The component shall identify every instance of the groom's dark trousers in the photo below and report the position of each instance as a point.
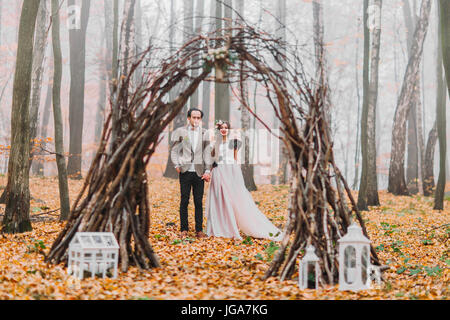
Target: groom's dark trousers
(190, 180)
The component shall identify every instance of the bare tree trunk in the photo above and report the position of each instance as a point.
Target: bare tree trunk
(57, 115)
(368, 192)
(444, 54)
(362, 192)
(247, 167)
(419, 137)
(115, 62)
(206, 99)
(2, 124)
(445, 38)
(111, 40)
(428, 177)
(194, 101)
(281, 175)
(358, 123)
(102, 84)
(188, 25)
(397, 184)
(40, 44)
(180, 119)
(17, 211)
(411, 149)
(415, 146)
(38, 166)
(222, 90)
(372, 184)
(77, 40)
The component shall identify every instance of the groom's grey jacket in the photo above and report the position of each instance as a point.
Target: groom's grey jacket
(183, 156)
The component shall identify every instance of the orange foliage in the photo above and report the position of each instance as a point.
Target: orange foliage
(410, 238)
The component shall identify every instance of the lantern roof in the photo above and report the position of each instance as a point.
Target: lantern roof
(95, 240)
(310, 254)
(354, 234)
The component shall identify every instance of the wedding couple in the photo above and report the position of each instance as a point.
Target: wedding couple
(229, 206)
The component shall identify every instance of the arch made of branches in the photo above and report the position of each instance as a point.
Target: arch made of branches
(114, 196)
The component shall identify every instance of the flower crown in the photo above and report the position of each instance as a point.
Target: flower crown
(218, 124)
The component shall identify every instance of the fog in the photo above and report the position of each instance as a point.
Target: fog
(343, 42)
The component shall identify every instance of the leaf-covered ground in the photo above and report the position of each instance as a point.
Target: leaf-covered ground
(409, 236)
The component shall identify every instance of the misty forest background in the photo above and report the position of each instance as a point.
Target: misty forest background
(167, 24)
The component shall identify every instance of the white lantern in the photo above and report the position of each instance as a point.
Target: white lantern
(354, 260)
(95, 252)
(309, 269)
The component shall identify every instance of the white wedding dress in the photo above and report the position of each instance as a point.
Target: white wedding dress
(230, 206)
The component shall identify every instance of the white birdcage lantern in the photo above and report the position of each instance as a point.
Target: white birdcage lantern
(95, 252)
(354, 260)
(309, 270)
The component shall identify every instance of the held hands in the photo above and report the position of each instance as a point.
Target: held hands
(206, 177)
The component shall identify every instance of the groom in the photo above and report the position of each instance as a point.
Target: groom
(191, 154)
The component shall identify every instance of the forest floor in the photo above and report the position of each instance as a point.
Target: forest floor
(410, 237)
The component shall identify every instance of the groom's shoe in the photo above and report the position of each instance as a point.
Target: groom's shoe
(184, 234)
(200, 234)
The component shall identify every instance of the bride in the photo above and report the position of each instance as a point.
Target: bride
(229, 205)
